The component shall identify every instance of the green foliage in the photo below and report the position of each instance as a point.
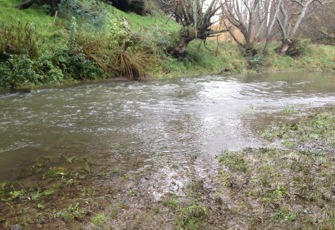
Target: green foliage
(318, 58)
(118, 31)
(16, 194)
(72, 212)
(2, 189)
(199, 59)
(73, 31)
(161, 39)
(283, 214)
(56, 172)
(171, 201)
(100, 219)
(256, 61)
(17, 37)
(79, 67)
(74, 64)
(17, 70)
(51, 67)
(233, 161)
(119, 52)
(20, 70)
(23, 65)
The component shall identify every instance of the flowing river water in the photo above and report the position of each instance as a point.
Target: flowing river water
(160, 133)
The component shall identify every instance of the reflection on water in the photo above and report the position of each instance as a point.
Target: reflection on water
(168, 121)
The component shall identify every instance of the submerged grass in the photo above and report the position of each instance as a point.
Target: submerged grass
(292, 189)
(267, 187)
(46, 191)
(253, 189)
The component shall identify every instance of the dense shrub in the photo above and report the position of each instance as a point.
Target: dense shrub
(77, 65)
(20, 70)
(51, 67)
(256, 61)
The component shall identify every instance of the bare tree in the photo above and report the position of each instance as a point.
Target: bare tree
(196, 18)
(292, 13)
(272, 8)
(249, 17)
(321, 26)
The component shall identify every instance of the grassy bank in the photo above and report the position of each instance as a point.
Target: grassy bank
(38, 50)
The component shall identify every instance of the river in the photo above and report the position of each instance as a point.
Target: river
(160, 132)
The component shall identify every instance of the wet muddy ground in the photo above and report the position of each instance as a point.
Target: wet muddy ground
(178, 154)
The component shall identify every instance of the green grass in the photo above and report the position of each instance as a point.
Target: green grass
(317, 128)
(200, 60)
(37, 16)
(317, 58)
(277, 187)
(156, 21)
(290, 188)
(100, 219)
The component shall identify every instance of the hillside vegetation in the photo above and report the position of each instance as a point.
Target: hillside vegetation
(102, 42)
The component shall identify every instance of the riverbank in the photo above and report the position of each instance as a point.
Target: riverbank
(59, 50)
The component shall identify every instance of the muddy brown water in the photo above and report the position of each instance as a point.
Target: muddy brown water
(161, 132)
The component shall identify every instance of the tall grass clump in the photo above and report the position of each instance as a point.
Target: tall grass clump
(119, 52)
(17, 37)
(133, 63)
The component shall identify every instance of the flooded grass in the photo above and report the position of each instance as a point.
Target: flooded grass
(48, 190)
(291, 188)
(288, 189)
(265, 188)
(315, 132)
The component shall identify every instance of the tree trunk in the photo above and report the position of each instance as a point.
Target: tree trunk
(186, 35)
(284, 47)
(292, 48)
(26, 4)
(179, 47)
